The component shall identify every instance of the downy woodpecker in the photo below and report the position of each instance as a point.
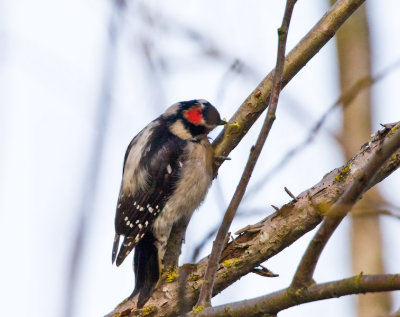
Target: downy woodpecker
(167, 172)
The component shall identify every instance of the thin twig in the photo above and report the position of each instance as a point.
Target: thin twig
(209, 277)
(339, 209)
(276, 208)
(290, 193)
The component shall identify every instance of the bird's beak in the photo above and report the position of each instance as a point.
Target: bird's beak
(222, 122)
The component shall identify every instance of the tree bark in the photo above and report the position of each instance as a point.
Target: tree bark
(179, 289)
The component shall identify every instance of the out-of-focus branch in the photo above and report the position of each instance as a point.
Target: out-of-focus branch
(90, 183)
(209, 277)
(395, 314)
(357, 122)
(274, 233)
(278, 301)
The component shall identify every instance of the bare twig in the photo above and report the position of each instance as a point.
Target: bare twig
(237, 67)
(276, 208)
(338, 211)
(290, 193)
(209, 277)
(283, 299)
(384, 212)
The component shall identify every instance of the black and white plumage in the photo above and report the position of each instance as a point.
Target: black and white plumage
(167, 172)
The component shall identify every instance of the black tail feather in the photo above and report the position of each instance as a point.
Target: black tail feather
(115, 247)
(146, 267)
(126, 248)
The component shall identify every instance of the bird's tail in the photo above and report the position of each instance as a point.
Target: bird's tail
(146, 267)
(115, 247)
(126, 248)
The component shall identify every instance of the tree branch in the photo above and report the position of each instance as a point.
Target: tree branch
(283, 299)
(342, 206)
(275, 233)
(209, 277)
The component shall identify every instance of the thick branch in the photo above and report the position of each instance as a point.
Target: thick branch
(278, 301)
(275, 233)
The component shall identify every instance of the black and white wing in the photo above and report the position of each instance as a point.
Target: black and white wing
(139, 205)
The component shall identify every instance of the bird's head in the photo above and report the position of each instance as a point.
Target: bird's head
(189, 119)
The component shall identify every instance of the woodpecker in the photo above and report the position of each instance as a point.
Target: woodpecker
(168, 168)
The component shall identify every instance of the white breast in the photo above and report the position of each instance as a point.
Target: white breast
(190, 190)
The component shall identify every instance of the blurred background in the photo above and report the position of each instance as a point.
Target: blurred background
(79, 79)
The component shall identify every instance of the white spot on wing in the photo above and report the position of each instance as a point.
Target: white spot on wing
(169, 169)
(126, 218)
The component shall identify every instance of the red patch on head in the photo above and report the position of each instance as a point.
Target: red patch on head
(194, 115)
